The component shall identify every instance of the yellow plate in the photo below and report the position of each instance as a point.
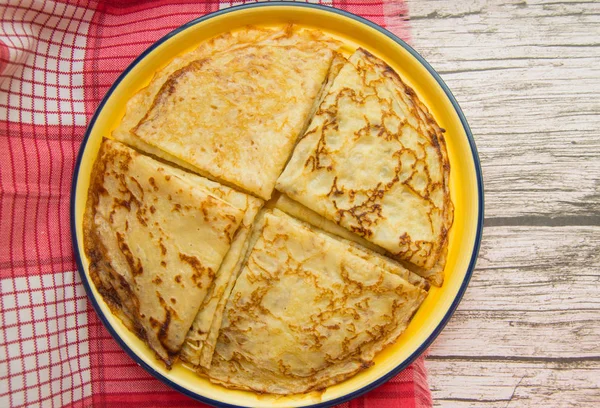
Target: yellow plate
(465, 183)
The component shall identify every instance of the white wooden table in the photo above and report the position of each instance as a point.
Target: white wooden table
(527, 75)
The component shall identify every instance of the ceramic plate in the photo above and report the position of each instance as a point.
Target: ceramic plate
(465, 183)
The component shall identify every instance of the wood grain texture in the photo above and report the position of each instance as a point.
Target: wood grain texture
(529, 318)
(527, 75)
(532, 296)
(515, 384)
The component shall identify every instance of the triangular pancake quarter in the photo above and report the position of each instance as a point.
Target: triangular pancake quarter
(235, 115)
(374, 161)
(139, 104)
(155, 241)
(306, 312)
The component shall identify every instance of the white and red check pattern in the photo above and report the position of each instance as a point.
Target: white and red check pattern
(57, 60)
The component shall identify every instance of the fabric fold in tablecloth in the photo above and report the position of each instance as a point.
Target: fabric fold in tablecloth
(57, 61)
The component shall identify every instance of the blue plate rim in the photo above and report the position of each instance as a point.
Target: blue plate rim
(476, 163)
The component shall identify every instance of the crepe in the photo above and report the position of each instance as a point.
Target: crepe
(359, 245)
(195, 349)
(155, 240)
(201, 338)
(233, 109)
(139, 104)
(306, 312)
(374, 161)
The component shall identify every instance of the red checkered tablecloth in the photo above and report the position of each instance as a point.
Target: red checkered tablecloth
(57, 60)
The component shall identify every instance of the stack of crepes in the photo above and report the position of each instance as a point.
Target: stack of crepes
(270, 211)
(58, 58)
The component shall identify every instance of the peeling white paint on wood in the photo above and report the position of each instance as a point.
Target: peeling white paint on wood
(527, 75)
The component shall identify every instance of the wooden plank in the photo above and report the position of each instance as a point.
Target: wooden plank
(533, 294)
(502, 384)
(526, 75)
(498, 334)
(536, 269)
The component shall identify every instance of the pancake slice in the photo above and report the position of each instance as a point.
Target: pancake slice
(234, 113)
(374, 161)
(213, 333)
(155, 242)
(199, 343)
(139, 104)
(306, 312)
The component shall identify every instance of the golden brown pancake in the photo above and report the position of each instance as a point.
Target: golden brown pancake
(374, 161)
(300, 295)
(306, 312)
(200, 341)
(155, 242)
